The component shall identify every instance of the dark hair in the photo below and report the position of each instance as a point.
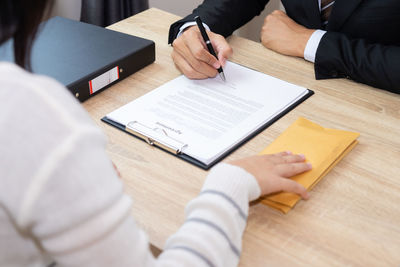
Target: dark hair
(19, 20)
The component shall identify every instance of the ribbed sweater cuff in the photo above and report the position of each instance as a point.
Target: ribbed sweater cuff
(235, 182)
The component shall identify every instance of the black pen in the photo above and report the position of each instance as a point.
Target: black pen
(209, 45)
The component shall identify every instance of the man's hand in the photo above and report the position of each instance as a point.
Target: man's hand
(192, 58)
(283, 35)
(272, 172)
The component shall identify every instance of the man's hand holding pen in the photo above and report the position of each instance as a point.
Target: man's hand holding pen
(191, 55)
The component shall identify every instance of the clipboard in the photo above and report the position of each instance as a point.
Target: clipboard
(155, 137)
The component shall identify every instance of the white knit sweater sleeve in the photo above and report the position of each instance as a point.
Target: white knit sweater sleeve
(215, 220)
(60, 192)
(211, 235)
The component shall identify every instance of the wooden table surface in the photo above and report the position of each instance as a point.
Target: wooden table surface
(353, 216)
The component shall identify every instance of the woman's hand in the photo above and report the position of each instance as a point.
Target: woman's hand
(272, 172)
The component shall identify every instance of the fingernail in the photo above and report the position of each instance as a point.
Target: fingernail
(309, 165)
(216, 65)
(289, 152)
(302, 156)
(223, 61)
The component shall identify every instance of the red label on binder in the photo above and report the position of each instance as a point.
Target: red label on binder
(103, 80)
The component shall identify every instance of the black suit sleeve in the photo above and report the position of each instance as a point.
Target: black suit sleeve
(222, 16)
(374, 64)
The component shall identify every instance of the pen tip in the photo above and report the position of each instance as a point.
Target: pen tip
(222, 75)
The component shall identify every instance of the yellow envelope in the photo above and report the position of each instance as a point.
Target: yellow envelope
(323, 148)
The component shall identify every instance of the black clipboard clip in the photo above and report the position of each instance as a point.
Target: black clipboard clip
(155, 137)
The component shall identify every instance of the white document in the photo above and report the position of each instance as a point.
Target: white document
(210, 116)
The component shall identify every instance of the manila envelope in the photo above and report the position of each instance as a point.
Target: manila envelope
(323, 148)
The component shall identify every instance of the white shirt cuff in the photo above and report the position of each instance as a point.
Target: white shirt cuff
(312, 45)
(188, 24)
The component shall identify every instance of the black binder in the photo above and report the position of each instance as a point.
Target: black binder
(175, 150)
(83, 57)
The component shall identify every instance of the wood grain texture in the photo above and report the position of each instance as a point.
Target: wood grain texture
(353, 216)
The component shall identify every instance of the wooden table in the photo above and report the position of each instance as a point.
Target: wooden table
(353, 216)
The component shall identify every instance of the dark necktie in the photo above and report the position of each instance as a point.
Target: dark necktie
(326, 9)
